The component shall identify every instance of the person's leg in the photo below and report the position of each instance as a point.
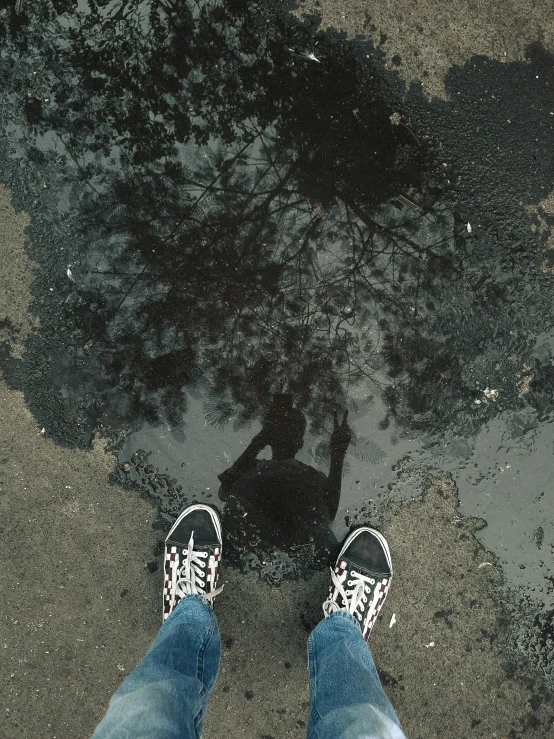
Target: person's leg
(347, 700)
(167, 694)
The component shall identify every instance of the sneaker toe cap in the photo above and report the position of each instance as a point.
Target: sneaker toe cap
(367, 552)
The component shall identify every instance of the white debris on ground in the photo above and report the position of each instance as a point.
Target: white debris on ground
(392, 621)
(489, 395)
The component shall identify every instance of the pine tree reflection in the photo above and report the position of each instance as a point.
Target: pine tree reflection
(239, 212)
(240, 228)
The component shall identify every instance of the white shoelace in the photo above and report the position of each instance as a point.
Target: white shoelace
(190, 578)
(355, 598)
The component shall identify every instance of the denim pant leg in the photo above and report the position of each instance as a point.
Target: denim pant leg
(347, 700)
(167, 693)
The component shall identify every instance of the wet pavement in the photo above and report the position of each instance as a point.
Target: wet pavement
(242, 225)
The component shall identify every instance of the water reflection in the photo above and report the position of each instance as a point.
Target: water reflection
(245, 211)
(282, 503)
(249, 217)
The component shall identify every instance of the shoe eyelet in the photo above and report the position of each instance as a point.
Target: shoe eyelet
(349, 582)
(359, 616)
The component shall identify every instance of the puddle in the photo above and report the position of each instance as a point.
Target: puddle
(506, 481)
(229, 205)
(177, 468)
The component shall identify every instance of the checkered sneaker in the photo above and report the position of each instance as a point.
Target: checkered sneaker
(190, 571)
(359, 594)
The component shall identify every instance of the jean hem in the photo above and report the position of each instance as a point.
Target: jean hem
(345, 615)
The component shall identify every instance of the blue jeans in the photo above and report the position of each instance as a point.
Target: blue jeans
(165, 697)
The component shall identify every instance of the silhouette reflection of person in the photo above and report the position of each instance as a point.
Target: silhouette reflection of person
(283, 503)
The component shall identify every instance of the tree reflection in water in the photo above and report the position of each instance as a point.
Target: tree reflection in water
(247, 212)
(247, 216)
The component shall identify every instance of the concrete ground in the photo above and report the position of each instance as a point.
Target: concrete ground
(422, 39)
(81, 577)
(81, 603)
